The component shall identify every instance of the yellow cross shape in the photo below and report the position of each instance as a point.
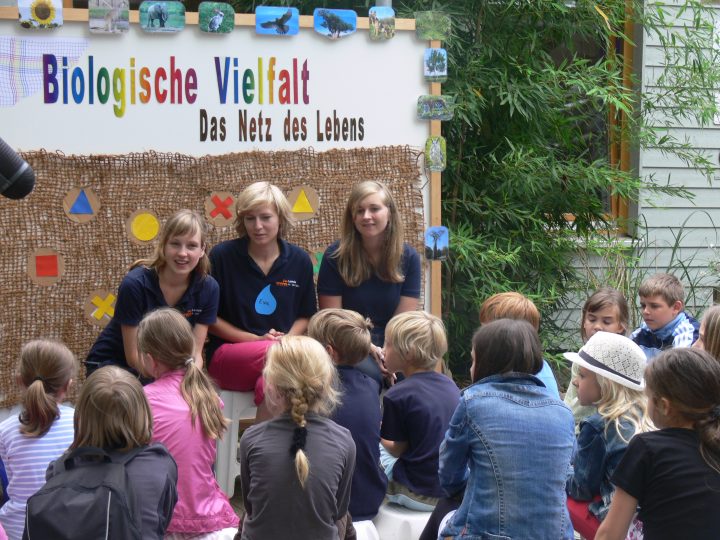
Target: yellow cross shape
(104, 306)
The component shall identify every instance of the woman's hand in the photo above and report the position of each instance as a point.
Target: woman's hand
(272, 335)
(379, 356)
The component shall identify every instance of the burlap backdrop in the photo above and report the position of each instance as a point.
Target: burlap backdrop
(97, 254)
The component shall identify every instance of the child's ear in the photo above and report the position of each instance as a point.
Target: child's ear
(677, 307)
(332, 352)
(664, 405)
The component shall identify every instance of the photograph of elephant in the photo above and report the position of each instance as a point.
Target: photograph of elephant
(216, 17)
(162, 16)
(108, 16)
(277, 21)
(334, 23)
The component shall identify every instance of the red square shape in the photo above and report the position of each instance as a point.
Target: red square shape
(46, 265)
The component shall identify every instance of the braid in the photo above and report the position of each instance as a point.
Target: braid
(299, 406)
(709, 431)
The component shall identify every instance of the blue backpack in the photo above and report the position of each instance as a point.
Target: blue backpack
(89, 497)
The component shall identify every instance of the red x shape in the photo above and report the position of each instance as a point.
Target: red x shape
(221, 207)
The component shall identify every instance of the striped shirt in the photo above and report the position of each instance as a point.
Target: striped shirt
(26, 459)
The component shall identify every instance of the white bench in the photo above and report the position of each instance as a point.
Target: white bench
(238, 406)
(395, 522)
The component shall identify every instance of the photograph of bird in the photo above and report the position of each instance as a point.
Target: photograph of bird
(279, 24)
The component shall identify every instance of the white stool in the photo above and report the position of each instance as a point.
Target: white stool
(238, 406)
(365, 530)
(395, 522)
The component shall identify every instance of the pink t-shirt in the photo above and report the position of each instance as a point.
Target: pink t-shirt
(202, 507)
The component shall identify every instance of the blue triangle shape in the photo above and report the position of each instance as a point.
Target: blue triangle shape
(81, 204)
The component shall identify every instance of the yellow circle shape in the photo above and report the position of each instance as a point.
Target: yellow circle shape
(145, 227)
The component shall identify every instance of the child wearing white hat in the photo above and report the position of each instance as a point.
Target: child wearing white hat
(610, 377)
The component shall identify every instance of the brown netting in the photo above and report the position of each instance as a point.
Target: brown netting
(97, 254)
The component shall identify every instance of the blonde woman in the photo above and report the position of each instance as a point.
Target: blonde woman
(188, 420)
(709, 339)
(370, 269)
(176, 276)
(267, 290)
(296, 469)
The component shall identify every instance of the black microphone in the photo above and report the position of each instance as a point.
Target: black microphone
(17, 179)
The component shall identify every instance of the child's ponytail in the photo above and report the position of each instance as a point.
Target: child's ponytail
(299, 406)
(199, 393)
(299, 370)
(690, 380)
(46, 368)
(708, 430)
(167, 337)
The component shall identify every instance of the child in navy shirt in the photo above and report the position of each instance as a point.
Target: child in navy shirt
(346, 337)
(417, 410)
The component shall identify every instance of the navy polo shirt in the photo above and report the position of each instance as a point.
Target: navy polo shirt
(373, 298)
(255, 302)
(360, 413)
(140, 293)
(418, 410)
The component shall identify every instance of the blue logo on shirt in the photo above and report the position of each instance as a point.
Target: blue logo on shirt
(265, 303)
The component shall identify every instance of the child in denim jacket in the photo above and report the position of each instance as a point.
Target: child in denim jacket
(610, 376)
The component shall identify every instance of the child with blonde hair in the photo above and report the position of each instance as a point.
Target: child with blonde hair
(113, 426)
(610, 377)
(188, 420)
(346, 337)
(417, 410)
(709, 338)
(42, 432)
(605, 311)
(673, 474)
(296, 469)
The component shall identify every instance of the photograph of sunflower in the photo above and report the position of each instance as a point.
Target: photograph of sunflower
(40, 13)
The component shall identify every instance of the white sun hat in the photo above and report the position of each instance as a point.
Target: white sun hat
(613, 356)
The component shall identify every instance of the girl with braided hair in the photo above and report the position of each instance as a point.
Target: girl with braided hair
(296, 469)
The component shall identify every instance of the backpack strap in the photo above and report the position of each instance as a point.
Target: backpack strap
(81, 454)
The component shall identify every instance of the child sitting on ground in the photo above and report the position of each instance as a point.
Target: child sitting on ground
(513, 305)
(296, 469)
(113, 425)
(605, 311)
(417, 410)
(673, 474)
(346, 337)
(610, 377)
(42, 432)
(665, 324)
(188, 420)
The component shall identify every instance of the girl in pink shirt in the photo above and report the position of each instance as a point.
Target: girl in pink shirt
(188, 420)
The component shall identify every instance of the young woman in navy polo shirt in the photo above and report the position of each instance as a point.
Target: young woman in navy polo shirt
(176, 275)
(370, 269)
(267, 290)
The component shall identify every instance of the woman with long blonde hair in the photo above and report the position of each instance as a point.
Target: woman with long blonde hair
(371, 269)
(175, 275)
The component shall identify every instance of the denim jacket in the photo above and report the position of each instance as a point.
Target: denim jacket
(509, 446)
(599, 452)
